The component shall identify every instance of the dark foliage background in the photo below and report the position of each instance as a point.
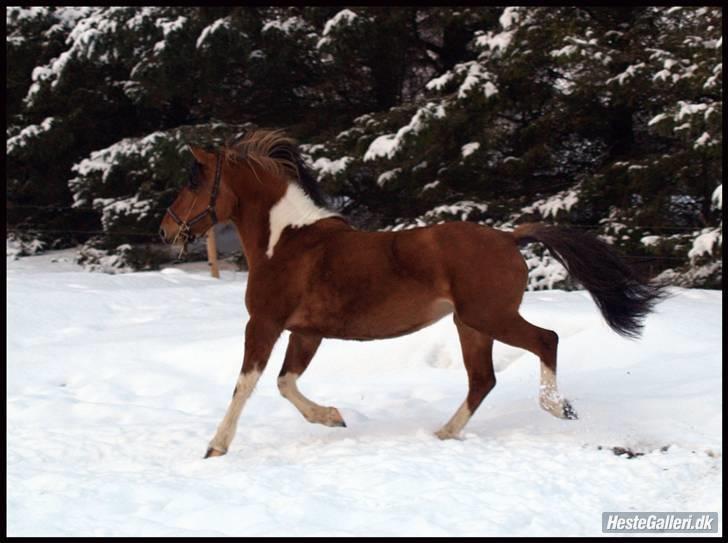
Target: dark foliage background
(608, 119)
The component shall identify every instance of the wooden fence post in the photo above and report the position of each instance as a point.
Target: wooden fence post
(212, 254)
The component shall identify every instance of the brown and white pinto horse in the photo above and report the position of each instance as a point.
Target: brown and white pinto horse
(313, 274)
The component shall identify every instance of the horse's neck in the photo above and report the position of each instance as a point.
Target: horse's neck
(260, 226)
(294, 209)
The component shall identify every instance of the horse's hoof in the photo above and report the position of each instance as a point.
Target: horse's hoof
(329, 416)
(444, 434)
(560, 409)
(211, 453)
(569, 412)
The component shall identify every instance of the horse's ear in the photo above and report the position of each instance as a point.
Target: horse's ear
(201, 156)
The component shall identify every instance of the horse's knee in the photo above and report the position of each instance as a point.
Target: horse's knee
(483, 384)
(490, 383)
(479, 388)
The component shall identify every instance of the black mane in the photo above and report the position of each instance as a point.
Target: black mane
(285, 155)
(305, 177)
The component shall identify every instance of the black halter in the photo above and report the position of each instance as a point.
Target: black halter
(185, 225)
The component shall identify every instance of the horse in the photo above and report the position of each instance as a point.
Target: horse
(313, 274)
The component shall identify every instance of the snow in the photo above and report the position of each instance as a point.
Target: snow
(564, 86)
(469, 148)
(544, 271)
(567, 50)
(343, 17)
(326, 166)
(211, 29)
(703, 140)
(696, 274)
(85, 40)
(687, 109)
(475, 73)
(439, 83)
(382, 146)
(99, 165)
(29, 132)
(476, 76)
(110, 207)
(717, 197)
(627, 74)
(650, 241)
(286, 27)
(15, 248)
(18, 14)
(705, 242)
(551, 206)
(715, 79)
(69, 16)
(103, 159)
(169, 26)
(117, 382)
(656, 119)
(387, 176)
(509, 16)
(489, 89)
(460, 210)
(99, 260)
(495, 42)
(389, 144)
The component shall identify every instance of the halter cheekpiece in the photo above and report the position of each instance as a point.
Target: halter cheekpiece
(185, 225)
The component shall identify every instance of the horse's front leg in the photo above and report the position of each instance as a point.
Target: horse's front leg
(298, 356)
(260, 336)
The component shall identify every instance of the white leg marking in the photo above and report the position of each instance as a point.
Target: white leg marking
(294, 209)
(226, 429)
(550, 398)
(456, 423)
(311, 411)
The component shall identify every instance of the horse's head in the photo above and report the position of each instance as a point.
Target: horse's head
(206, 200)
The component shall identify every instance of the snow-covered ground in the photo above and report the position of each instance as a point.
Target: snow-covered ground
(116, 383)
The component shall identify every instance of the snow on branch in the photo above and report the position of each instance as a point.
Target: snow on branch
(389, 144)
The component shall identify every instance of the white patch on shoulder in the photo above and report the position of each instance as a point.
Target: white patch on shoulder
(295, 209)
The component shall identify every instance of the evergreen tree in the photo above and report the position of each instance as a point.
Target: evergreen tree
(603, 118)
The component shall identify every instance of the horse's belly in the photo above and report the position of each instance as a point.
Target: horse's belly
(371, 321)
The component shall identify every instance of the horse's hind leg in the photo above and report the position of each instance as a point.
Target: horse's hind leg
(299, 353)
(477, 348)
(518, 332)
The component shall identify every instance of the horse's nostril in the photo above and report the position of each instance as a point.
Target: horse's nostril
(162, 234)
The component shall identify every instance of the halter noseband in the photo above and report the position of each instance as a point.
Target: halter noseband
(185, 225)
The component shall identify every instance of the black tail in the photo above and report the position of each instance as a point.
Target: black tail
(623, 297)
